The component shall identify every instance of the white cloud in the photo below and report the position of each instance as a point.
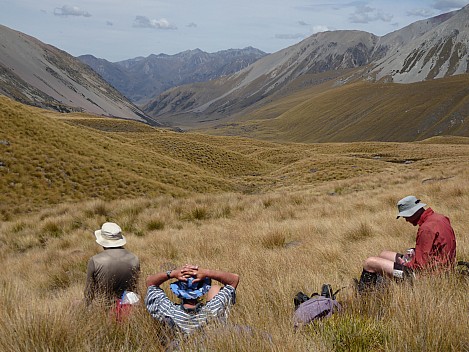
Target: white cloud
(320, 28)
(448, 5)
(67, 10)
(145, 22)
(290, 36)
(366, 14)
(425, 13)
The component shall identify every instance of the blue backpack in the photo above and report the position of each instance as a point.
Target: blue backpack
(317, 307)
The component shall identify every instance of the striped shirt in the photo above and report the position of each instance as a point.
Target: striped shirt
(163, 309)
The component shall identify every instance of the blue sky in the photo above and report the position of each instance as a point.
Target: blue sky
(123, 29)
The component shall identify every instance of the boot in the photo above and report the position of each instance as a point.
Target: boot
(408, 276)
(367, 281)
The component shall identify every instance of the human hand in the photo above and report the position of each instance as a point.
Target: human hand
(199, 275)
(187, 271)
(184, 272)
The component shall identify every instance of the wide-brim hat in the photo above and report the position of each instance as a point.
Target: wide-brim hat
(408, 206)
(190, 290)
(110, 235)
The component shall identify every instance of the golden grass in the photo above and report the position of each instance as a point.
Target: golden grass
(293, 217)
(360, 111)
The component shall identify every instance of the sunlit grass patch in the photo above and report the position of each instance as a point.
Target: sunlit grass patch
(25, 242)
(155, 224)
(360, 232)
(197, 213)
(51, 228)
(275, 239)
(98, 207)
(345, 332)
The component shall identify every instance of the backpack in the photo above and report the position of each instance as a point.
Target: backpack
(317, 307)
(123, 306)
(463, 268)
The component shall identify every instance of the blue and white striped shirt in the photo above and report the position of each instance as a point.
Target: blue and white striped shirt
(163, 309)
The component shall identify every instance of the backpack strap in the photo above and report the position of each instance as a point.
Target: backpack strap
(335, 293)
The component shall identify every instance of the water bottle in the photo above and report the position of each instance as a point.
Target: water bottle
(326, 291)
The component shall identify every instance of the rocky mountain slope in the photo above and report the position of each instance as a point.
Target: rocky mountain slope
(424, 50)
(322, 52)
(41, 75)
(143, 78)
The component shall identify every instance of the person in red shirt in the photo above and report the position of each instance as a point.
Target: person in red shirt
(435, 247)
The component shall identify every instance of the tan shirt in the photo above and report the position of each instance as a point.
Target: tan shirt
(110, 273)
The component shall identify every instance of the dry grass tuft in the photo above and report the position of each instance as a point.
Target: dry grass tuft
(275, 239)
(361, 232)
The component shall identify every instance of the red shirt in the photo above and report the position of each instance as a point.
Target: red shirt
(435, 243)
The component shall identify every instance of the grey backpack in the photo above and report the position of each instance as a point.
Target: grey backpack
(317, 307)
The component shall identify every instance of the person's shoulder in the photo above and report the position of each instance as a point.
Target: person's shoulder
(155, 293)
(98, 255)
(129, 252)
(227, 291)
(122, 252)
(229, 288)
(434, 216)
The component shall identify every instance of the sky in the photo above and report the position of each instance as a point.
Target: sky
(118, 30)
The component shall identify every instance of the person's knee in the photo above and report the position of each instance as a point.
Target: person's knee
(369, 264)
(385, 254)
(389, 255)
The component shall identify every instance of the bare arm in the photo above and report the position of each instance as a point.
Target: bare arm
(180, 274)
(199, 274)
(224, 277)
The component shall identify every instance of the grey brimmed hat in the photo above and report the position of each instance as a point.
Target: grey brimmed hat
(408, 206)
(110, 235)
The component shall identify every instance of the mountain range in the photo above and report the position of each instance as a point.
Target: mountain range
(423, 51)
(333, 86)
(143, 78)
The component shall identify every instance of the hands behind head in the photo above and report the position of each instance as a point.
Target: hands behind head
(189, 270)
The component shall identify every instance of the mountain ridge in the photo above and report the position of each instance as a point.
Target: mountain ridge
(42, 75)
(338, 57)
(299, 83)
(140, 79)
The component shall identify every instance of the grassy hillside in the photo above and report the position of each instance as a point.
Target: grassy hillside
(286, 217)
(362, 111)
(49, 158)
(52, 160)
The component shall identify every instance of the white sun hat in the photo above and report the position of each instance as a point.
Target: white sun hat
(110, 235)
(408, 206)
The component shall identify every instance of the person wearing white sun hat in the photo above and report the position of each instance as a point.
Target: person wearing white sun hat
(435, 247)
(113, 271)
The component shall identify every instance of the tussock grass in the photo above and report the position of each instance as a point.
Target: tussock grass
(330, 237)
(279, 225)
